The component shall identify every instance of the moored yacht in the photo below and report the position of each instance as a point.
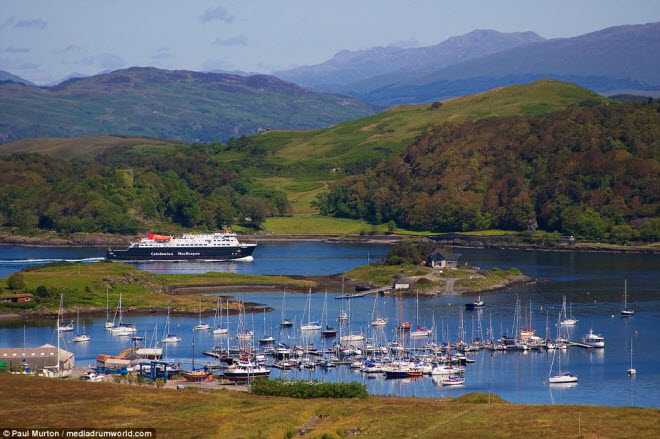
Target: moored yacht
(594, 340)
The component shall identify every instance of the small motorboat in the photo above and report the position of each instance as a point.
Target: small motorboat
(594, 340)
(329, 332)
(478, 304)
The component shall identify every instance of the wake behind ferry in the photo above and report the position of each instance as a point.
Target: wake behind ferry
(219, 246)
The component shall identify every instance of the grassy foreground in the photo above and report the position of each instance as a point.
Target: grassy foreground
(48, 403)
(84, 287)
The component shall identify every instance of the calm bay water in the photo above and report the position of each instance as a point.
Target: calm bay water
(592, 282)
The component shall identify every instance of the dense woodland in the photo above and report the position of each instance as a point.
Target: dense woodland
(592, 172)
(126, 190)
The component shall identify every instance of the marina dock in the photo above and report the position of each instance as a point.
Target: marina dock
(365, 293)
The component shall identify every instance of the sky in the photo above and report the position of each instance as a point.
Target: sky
(46, 40)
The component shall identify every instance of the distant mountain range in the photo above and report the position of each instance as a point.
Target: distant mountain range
(616, 58)
(6, 76)
(183, 105)
(347, 67)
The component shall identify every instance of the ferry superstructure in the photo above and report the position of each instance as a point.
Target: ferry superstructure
(220, 246)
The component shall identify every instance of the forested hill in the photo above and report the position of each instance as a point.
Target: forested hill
(182, 105)
(588, 171)
(131, 188)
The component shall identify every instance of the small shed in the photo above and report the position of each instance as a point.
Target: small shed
(16, 298)
(402, 284)
(112, 364)
(439, 259)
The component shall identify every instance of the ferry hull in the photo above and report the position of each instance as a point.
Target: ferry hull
(182, 253)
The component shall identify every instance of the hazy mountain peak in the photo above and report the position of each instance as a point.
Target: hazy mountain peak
(350, 66)
(6, 76)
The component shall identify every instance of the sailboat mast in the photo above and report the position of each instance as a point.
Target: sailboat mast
(57, 357)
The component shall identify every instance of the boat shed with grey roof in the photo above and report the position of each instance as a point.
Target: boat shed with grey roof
(37, 358)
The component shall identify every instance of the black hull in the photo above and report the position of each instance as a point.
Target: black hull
(181, 253)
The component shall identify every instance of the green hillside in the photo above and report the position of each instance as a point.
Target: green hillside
(588, 171)
(350, 147)
(182, 105)
(78, 147)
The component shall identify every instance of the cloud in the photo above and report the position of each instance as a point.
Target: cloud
(216, 64)
(219, 13)
(11, 49)
(70, 49)
(162, 53)
(34, 23)
(7, 23)
(110, 61)
(238, 40)
(15, 64)
(86, 61)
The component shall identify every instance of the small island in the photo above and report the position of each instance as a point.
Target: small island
(35, 292)
(411, 267)
(420, 267)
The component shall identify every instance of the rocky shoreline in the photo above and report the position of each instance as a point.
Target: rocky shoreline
(250, 307)
(461, 241)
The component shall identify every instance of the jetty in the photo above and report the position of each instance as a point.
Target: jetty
(378, 290)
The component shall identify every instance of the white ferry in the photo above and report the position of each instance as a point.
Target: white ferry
(220, 246)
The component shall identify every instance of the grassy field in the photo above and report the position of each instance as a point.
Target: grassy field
(30, 402)
(84, 287)
(300, 193)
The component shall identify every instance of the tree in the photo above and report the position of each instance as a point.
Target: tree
(391, 226)
(589, 224)
(15, 281)
(651, 230)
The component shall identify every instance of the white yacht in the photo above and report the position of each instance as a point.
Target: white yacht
(594, 340)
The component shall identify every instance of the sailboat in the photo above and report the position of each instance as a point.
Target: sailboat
(60, 313)
(420, 331)
(631, 371)
(217, 327)
(343, 315)
(352, 339)
(266, 338)
(201, 326)
(169, 338)
(328, 331)
(568, 319)
(561, 377)
(56, 371)
(310, 325)
(286, 323)
(243, 333)
(108, 324)
(625, 311)
(380, 321)
(80, 336)
(122, 329)
(452, 379)
(195, 375)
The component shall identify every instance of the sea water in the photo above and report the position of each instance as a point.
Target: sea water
(592, 283)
